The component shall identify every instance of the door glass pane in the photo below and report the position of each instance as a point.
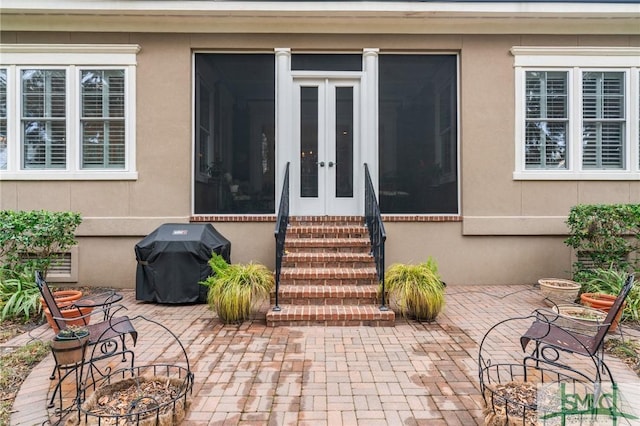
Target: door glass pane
(308, 141)
(344, 142)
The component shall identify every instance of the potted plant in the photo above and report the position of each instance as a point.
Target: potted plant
(559, 291)
(69, 345)
(233, 289)
(601, 290)
(416, 290)
(580, 318)
(71, 311)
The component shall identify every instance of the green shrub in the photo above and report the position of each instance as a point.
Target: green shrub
(34, 239)
(30, 241)
(603, 236)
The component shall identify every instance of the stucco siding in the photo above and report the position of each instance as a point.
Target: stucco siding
(511, 232)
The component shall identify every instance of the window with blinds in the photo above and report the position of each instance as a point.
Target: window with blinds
(102, 122)
(67, 111)
(603, 120)
(44, 114)
(546, 119)
(3, 119)
(577, 113)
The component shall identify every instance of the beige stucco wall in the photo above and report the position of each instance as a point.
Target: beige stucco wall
(511, 232)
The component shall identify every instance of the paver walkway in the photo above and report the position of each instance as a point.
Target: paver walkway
(410, 374)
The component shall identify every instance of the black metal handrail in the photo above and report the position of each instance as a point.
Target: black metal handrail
(377, 233)
(282, 223)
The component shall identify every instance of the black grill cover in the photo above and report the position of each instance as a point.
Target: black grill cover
(173, 259)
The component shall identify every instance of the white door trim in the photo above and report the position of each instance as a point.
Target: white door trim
(366, 120)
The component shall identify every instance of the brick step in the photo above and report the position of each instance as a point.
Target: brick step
(330, 315)
(332, 231)
(327, 245)
(328, 276)
(357, 295)
(327, 260)
(326, 220)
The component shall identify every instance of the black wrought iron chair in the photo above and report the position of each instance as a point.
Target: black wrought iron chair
(106, 338)
(554, 335)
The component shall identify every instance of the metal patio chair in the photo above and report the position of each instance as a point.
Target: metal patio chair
(107, 338)
(554, 336)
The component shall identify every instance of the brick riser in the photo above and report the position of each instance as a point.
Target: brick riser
(328, 275)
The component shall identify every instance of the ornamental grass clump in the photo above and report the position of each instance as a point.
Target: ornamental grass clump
(233, 289)
(416, 290)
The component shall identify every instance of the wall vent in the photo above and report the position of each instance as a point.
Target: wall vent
(64, 269)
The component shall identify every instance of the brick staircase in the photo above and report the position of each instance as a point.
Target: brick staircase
(328, 275)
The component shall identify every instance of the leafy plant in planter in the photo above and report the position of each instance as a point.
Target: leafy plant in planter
(69, 345)
(233, 289)
(416, 290)
(72, 332)
(609, 281)
(603, 236)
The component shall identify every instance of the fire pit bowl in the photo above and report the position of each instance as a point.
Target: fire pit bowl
(145, 396)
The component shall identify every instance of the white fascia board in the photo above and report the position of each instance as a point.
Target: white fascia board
(64, 54)
(575, 56)
(159, 7)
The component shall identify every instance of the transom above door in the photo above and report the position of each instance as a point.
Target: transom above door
(326, 166)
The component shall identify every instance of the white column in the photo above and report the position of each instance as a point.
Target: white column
(369, 104)
(283, 116)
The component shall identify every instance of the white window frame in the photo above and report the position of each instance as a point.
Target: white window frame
(73, 58)
(575, 61)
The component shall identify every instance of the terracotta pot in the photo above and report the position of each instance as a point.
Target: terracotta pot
(69, 313)
(603, 302)
(64, 297)
(69, 351)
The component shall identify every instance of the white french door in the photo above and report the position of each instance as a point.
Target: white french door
(326, 169)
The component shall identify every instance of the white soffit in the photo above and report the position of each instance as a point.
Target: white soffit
(321, 17)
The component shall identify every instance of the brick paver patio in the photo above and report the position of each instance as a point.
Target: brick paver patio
(410, 374)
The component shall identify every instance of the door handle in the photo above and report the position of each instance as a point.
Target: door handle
(321, 164)
(331, 163)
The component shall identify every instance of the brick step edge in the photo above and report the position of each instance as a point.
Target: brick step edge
(327, 295)
(326, 264)
(327, 242)
(320, 314)
(314, 220)
(327, 273)
(387, 322)
(305, 256)
(329, 290)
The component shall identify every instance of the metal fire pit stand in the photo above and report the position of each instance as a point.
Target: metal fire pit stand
(99, 379)
(506, 371)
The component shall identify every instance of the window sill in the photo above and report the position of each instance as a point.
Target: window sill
(569, 175)
(65, 175)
